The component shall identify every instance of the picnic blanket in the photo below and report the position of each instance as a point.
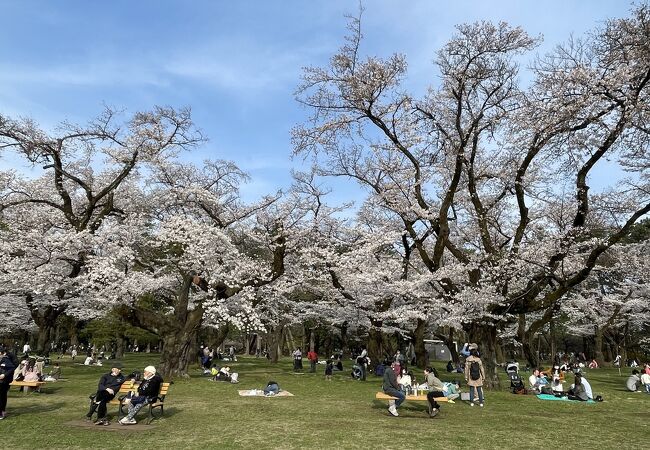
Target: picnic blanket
(562, 399)
(260, 393)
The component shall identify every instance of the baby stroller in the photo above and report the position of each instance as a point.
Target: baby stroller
(516, 383)
(356, 372)
(512, 367)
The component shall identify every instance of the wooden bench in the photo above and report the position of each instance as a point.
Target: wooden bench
(415, 398)
(32, 384)
(127, 386)
(158, 403)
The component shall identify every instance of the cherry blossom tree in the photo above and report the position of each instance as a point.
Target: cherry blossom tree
(85, 174)
(476, 172)
(198, 252)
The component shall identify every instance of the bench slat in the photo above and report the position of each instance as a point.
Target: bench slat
(417, 398)
(27, 383)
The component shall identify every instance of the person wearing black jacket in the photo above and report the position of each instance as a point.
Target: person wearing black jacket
(7, 367)
(391, 388)
(109, 385)
(147, 393)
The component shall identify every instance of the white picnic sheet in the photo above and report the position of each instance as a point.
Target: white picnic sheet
(260, 393)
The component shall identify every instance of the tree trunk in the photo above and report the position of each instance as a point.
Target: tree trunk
(447, 337)
(486, 335)
(327, 345)
(45, 318)
(499, 354)
(598, 346)
(274, 341)
(119, 350)
(220, 336)
(418, 340)
(312, 340)
(344, 338)
(178, 353)
(377, 347)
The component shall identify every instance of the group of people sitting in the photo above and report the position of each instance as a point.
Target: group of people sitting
(639, 382)
(223, 374)
(109, 385)
(399, 382)
(539, 383)
(33, 369)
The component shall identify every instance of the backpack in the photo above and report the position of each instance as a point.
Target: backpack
(519, 390)
(475, 371)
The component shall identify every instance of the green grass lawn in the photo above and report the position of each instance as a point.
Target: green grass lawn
(338, 414)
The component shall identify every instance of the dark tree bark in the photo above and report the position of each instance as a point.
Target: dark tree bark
(45, 318)
(418, 339)
(486, 336)
(378, 345)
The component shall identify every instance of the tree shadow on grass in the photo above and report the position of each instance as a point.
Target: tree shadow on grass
(32, 409)
(414, 408)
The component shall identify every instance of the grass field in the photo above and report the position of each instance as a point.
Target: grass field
(343, 413)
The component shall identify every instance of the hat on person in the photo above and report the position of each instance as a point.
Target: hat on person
(473, 346)
(117, 365)
(150, 369)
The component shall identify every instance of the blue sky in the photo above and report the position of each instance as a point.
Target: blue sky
(235, 63)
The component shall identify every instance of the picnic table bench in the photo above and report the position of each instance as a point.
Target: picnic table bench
(32, 384)
(415, 398)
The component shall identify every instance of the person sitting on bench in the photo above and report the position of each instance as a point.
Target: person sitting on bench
(109, 385)
(436, 389)
(391, 388)
(55, 373)
(147, 393)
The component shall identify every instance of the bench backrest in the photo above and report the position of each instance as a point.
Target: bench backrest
(127, 386)
(164, 387)
(133, 386)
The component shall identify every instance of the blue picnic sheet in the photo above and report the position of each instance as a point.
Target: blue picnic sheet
(562, 399)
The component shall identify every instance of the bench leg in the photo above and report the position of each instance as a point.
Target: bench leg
(152, 416)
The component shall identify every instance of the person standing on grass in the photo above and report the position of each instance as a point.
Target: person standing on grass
(329, 368)
(109, 385)
(362, 361)
(474, 376)
(297, 360)
(7, 368)
(147, 393)
(436, 389)
(312, 356)
(391, 388)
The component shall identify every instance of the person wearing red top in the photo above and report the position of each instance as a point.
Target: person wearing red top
(312, 356)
